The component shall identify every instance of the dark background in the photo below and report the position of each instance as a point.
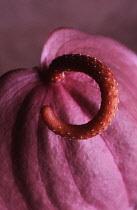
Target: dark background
(25, 24)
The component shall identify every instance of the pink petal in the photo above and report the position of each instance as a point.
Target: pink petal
(40, 170)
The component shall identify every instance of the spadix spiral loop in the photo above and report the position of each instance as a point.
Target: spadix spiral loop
(109, 94)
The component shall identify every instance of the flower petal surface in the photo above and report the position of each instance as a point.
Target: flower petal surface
(41, 170)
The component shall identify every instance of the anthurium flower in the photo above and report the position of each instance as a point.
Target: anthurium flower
(42, 170)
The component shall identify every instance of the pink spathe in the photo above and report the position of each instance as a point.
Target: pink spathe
(40, 170)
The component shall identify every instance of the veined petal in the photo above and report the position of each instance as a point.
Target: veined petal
(41, 170)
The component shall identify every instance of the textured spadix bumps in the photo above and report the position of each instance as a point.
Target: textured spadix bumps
(109, 94)
(41, 170)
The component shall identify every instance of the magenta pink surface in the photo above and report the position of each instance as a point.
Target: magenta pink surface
(40, 170)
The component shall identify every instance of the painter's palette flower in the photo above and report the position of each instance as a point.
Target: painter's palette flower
(42, 170)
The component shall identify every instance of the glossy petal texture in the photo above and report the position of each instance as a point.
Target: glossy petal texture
(40, 170)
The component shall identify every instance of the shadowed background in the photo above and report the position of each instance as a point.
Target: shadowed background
(24, 25)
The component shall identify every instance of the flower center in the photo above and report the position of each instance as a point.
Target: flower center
(109, 94)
